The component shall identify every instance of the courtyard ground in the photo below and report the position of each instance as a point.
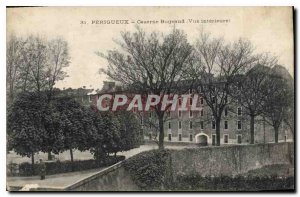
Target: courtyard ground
(12, 157)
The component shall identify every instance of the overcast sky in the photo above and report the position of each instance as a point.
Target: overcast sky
(269, 29)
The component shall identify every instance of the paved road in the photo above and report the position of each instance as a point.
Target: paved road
(65, 179)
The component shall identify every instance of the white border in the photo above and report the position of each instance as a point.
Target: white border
(4, 3)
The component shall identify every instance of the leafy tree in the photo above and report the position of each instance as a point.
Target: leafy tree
(53, 141)
(111, 133)
(115, 132)
(129, 131)
(25, 124)
(76, 124)
(97, 140)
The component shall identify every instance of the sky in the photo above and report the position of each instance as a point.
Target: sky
(270, 29)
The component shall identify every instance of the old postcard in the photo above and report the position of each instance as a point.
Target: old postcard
(150, 99)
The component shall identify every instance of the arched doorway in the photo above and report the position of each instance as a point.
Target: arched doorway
(202, 139)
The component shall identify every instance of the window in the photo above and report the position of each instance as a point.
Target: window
(191, 137)
(179, 124)
(179, 114)
(191, 101)
(213, 139)
(201, 112)
(225, 124)
(226, 112)
(213, 124)
(239, 111)
(179, 137)
(201, 100)
(225, 138)
(239, 123)
(201, 125)
(191, 114)
(179, 101)
(169, 137)
(239, 139)
(191, 125)
(169, 125)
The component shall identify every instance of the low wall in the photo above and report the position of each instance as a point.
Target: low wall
(230, 160)
(226, 160)
(114, 178)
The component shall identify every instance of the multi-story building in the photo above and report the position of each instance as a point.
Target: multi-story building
(190, 126)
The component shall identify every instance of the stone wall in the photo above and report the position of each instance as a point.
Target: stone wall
(230, 160)
(216, 161)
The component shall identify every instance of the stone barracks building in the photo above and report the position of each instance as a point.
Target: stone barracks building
(195, 126)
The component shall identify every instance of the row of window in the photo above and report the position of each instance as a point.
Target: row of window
(214, 139)
(239, 112)
(213, 125)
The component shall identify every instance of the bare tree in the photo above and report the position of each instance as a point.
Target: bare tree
(289, 118)
(213, 75)
(248, 90)
(39, 62)
(36, 64)
(277, 103)
(13, 61)
(58, 57)
(150, 64)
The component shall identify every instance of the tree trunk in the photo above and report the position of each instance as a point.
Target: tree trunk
(49, 155)
(11, 93)
(276, 129)
(161, 133)
(32, 163)
(252, 129)
(71, 154)
(218, 142)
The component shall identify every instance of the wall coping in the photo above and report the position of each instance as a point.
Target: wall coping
(94, 176)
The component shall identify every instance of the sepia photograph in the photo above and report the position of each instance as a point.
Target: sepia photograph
(150, 99)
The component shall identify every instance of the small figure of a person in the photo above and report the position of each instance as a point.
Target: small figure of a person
(42, 169)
